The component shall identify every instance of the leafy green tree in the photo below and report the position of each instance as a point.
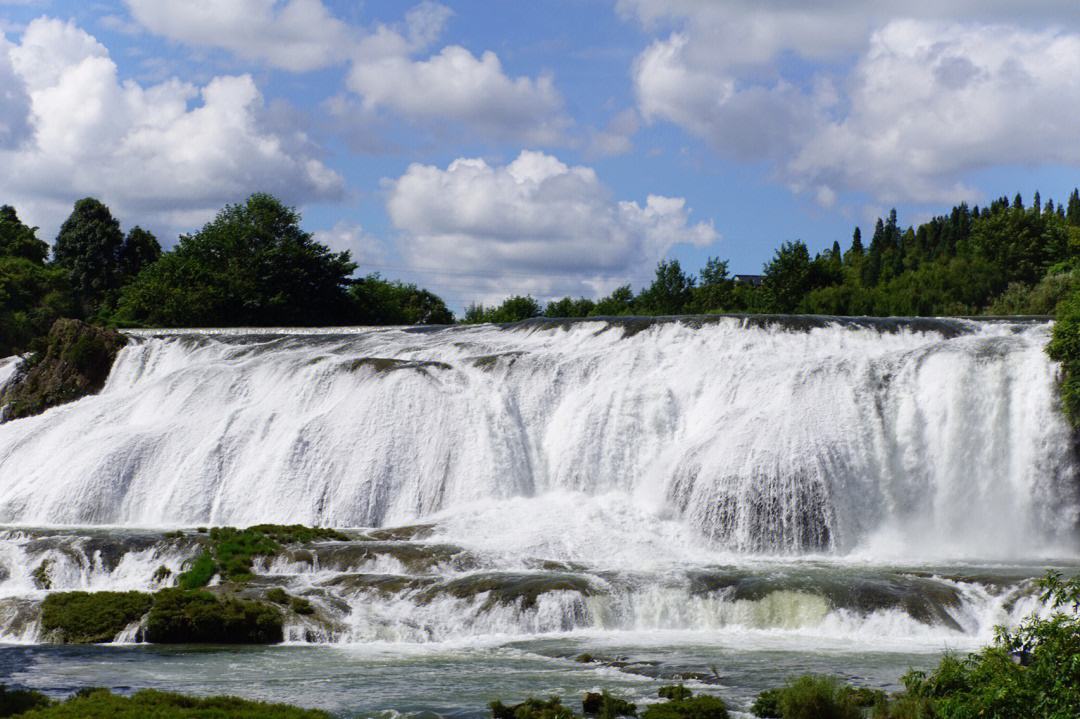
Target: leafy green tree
(788, 276)
(515, 309)
(714, 288)
(569, 307)
(382, 302)
(139, 251)
(32, 297)
(18, 240)
(88, 247)
(670, 293)
(619, 302)
(252, 265)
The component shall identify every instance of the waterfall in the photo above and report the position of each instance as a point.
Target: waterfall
(759, 435)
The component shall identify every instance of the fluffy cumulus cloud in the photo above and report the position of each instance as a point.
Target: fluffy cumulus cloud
(902, 109)
(167, 154)
(296, 35)
(392, 68)
(929, 102)
(364, 248)
(534, 225)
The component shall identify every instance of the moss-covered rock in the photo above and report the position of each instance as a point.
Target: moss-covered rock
(199, 617)
(699, 707)
(91, 617)
(75, 362)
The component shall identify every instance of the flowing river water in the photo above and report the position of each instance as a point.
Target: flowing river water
(726, 500)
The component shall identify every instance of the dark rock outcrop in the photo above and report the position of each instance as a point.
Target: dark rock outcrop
(75, 363)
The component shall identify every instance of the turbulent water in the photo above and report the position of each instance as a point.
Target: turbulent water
(798, 483)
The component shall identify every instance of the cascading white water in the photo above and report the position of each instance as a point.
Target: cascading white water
(919, 439)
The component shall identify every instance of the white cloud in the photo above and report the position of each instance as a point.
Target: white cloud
(157, 154)
(929, 102)
(617, 137)
(296, 35)
(535, 225)
(452, 84)
(905, 110)
(389, 71)
(364, 248)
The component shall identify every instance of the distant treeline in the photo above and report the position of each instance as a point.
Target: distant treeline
(1005, 259)
(254, 265)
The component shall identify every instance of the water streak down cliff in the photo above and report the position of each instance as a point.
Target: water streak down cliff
(922, 438)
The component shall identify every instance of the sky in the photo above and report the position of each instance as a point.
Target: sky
(554, 147)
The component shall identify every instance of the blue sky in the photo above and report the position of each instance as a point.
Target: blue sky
(556, 147)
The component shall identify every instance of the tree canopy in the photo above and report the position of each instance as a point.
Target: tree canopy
(252, 265)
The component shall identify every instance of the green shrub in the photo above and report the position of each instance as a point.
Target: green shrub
(531, 708)
(91, 617)
(102, 704)
(277, 595)
(180, 617)
(699, 707)
(675, 691)
(1032, 672)
(767, 704)
(17, 701)
(1064, 347)
(816, 697)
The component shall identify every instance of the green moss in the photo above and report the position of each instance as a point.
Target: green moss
(91, 617)
(161, 574)
(101, 704)
(532, 708)
(301, 606)
(277, 595)
(181, 617)
(42, 574)
(231, 552)
(676, 692)
(699, 707)
(17, 701)
(199, 574)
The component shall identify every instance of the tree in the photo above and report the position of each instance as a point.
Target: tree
(569, 307)
(139, 251)
(252, 265)
(670, 292)
(32, 297)
(714, 287)
(380, 302)
(88, 247)
(619, 302)
(788, 276)
(1072, 212)
(18, 240)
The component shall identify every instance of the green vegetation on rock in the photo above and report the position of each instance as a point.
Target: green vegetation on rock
(75, 362)
(103, 704)
(91, 617)
(179, 617)
(231, 551)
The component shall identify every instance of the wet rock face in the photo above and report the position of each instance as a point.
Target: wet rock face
(75, 363)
